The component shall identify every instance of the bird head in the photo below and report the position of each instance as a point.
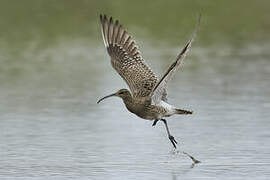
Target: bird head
(122, 93)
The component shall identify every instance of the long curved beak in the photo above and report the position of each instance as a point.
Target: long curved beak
(114, 94)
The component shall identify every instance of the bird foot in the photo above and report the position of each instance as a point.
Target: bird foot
(173, 141)
(195, 161)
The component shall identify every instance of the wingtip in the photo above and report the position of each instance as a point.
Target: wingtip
(199, 20)
(111, 20)
(197, 27)
(101, 17)
(200, 15)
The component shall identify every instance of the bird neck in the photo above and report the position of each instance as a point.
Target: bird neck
(129, 103)
(127, 99)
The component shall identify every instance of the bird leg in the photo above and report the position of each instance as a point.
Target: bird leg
(155, 122)
(173, 141)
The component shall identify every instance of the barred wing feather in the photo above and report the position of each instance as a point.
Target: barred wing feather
(126, 59)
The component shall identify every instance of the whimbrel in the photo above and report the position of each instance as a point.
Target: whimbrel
(148, 96)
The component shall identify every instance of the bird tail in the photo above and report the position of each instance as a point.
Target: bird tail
(181, 111)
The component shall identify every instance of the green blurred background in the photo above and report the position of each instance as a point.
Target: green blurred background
(231, 22)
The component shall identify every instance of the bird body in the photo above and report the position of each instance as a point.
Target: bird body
(148, 96)
(147, 111)
(153, 112)
(144, 109)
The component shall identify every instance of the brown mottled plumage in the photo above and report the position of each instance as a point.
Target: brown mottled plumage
(148, 96)
(126, 59)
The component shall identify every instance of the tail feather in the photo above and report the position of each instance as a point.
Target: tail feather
(181, 111)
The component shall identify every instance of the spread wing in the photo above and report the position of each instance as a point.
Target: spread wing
(160, 90)
(126, 58)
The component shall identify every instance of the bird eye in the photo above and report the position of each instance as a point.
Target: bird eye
(121, 93)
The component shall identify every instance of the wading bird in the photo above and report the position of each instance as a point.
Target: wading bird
(148, 96)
